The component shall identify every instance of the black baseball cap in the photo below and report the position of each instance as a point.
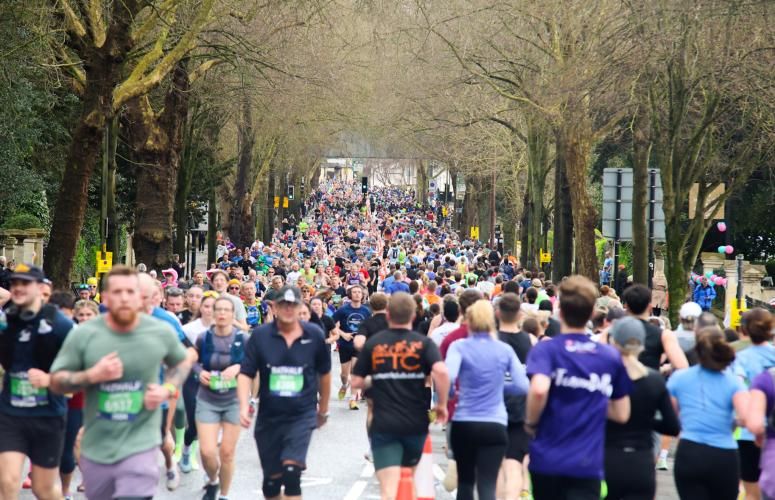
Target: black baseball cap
(25, 272)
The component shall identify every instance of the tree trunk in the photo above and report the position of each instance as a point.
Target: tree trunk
(675, 271)
(524, 232)
(537, 168)
(157, 142)
(240, 216)
(641, 150)
(212, 228)
(114, 238)
(104, 70)
(563, 222)
(577, 150)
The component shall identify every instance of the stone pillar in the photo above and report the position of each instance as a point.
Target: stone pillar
(712, 261)
(34, 242)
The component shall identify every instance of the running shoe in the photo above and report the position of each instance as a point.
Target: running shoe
(342, 392)
(185, 463)
(211, 491)
(662, 464)
(353, 404)
(173, 478)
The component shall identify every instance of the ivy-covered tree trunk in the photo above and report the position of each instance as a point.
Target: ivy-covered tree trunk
(577, 143)
(240, 225)
(157, 141)
(641, 150)
(104, 70)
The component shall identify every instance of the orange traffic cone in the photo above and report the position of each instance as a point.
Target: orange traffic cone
(406, 485)
(423, 474)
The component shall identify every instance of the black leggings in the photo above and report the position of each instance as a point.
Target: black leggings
(190, 389)
(630, 475)
(72, 426)
(706, 472)
(550, 487)
(479, 448)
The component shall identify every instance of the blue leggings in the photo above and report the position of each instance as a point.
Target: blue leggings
(72, 426)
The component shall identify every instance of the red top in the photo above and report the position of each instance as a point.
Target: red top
(77, 401)
(453, 336)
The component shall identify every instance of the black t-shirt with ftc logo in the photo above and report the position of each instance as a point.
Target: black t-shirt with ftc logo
(399, 362)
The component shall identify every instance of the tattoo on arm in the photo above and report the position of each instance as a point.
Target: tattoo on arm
(176, 375)
(66, 381)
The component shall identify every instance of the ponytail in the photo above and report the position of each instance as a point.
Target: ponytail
(713, 350)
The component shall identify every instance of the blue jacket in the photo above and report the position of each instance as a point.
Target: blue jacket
(704, 295)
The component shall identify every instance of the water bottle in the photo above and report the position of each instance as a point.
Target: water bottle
(3, 321)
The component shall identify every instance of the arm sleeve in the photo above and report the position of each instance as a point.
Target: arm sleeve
(454, 361)
(539, 361)
(362, 366)
(432, 354)
(622, 384)
(175, 351)
(70, 356)
(249, 365)
(669, 424)
(323, 356)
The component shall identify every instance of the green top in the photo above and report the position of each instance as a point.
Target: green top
(116, 422)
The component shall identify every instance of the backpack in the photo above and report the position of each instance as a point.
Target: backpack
(237, 349)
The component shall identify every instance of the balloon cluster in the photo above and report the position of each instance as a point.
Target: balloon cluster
(712, 278)
(727, 249)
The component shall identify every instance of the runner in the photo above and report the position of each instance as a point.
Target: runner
(629, 455)
(293, 364)
(347, 319)
(374, 323)
(571, 375)
(513, 472)
(32, 417)
(220, 282)
(393, 367)
(116, 360)
(706, 461)
(191, 386)
(221, 349)
(481, 365)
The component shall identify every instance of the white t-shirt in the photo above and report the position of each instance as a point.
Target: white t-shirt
(193, 329)
(442, 331)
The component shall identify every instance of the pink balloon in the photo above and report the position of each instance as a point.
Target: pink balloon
(723, 282)
(721, 226)
(729, 249)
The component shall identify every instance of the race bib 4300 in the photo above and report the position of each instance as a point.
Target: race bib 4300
(120, 401)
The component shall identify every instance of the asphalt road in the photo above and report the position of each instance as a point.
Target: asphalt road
(336, 467)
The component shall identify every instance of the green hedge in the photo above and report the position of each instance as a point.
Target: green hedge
(22, 221)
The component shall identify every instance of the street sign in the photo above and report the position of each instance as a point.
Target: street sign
(104, 262)
(285, 202)
(617, 190)
(432, 185)
(474, 232)
(277, 202)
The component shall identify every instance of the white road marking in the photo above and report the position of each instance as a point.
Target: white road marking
(368, 470)
(356, 491)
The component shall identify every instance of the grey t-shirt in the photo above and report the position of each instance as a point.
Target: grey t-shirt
(220, 391)
(239, 308)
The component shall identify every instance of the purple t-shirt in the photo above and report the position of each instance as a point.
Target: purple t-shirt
(763, 382)
(570, 439)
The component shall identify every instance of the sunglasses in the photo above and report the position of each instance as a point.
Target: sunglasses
(234, 288)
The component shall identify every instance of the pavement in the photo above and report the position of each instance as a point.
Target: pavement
(336, 467)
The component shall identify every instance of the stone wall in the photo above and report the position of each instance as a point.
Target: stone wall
(22, 245)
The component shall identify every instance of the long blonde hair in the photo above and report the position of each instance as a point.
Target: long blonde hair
(480, 317)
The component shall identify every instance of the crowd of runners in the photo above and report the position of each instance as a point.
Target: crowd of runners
(561, 390)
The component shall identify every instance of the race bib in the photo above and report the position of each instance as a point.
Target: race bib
(286, 381)
(24, 395)
(219, 384)
(120, 401)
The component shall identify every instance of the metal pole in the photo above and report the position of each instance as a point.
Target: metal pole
(492, 212)
(740, 298)
(652, 203)
(194, 243)
(617, 223)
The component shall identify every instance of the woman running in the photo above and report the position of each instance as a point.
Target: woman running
(757, 326)
(193, 329)
(629, 456)
(480, 365)
(760, 422)
(221, 349)
(707, 397)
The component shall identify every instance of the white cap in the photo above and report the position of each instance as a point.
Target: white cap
(690, 310)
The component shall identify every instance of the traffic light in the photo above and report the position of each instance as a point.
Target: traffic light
(364, 185)
(290, 192)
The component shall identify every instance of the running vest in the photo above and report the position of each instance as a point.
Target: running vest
(237, 349)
